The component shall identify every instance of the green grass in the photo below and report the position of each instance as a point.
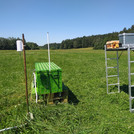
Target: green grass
(90, 109)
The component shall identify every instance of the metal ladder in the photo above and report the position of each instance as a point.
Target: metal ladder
(108, 76)
(129, 80)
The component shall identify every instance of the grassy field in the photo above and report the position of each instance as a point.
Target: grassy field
(90, 109)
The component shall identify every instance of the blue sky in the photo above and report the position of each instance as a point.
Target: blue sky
(63, 19)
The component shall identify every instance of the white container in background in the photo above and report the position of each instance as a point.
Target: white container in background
(19, 45)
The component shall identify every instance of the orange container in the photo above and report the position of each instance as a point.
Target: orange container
(112, 44)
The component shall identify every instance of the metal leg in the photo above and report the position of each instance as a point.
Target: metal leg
(129, 80)
(106, 68)
(118, 73)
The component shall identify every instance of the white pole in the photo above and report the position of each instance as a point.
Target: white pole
(35, 87)
(48, 51)
(5, 129)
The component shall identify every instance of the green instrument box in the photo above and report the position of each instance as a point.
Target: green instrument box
(47, 81)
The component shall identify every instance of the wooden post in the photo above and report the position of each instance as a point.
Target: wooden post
(25, 71)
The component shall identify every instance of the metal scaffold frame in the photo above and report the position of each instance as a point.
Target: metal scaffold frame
(130, 86)
(108, 76)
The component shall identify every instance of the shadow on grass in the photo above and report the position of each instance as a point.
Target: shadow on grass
(125, 89)
(72, 99)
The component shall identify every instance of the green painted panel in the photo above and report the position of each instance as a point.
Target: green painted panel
(44, 66)
(48, 82)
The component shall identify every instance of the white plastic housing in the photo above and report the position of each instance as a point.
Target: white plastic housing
(19, 45)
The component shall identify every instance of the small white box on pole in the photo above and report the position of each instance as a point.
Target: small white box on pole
(19, 45)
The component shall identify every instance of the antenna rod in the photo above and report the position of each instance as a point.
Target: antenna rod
(48, 51)
(25, 70)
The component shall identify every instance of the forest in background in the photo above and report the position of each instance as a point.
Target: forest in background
(10, 44)
(95, 41)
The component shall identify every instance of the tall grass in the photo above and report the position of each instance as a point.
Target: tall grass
(90, 109)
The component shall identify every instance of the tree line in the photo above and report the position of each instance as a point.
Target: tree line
(10, 44)
(95, 41)
(52, 46)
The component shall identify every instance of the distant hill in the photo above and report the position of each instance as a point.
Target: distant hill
(95, 41)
